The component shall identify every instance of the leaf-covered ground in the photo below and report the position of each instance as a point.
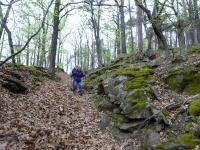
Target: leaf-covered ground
(51, 117)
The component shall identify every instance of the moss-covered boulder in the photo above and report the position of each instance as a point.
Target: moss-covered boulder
(123, 93)
(194, 108)
(134, 106)
(186, 79)
(186, 141)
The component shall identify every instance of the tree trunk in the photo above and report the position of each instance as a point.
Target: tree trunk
(2, 44)
(1, 18)
(42, 54)
(139, 28)
(28, 51)
(157, 27)
(117, 34)
(92, 55)
(10, 41)
(54, 37)
(122, 27)
(149, 38)
(131, 25)
(181, 40)
(197, 18)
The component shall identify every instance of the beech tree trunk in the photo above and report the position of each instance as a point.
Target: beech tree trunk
(122, 27)
(54, 37)
(157, 27)
(139, 28)
(131, 25)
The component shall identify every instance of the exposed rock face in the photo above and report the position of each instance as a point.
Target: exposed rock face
(127, 89)
(186, 79)
(125, 95)
(14, 85)
(22, 78)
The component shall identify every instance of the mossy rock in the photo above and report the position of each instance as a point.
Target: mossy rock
(135, 103)
(188, 139)
(140, 94)
(135, 71)
(14, 85)
(194, 108)
(118, 119)
(184, 80)
(185, 141)
(188, 127)
(139, 82)
(98, 79)
(195, 49)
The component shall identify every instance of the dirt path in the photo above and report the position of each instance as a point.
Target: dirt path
(52, 118)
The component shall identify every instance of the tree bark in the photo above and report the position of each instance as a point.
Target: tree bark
(139, 28)
(131, 25)
(54, 37)
(181, 40)
(10, 41)
(2, 44)
(28, 51)
(122, 27)
(31, 37)
(156, 26)
(117, 35)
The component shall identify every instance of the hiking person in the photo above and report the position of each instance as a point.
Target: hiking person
(77, 75)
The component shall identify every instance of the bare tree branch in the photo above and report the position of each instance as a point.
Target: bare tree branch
(73, 3)
(31, 37)
(1, 3)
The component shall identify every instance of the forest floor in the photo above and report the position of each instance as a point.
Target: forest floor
(51, 117)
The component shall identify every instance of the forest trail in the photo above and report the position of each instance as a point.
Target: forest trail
(51, 117)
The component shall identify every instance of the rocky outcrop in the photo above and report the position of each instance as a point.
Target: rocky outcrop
(185, 79)
(125, 95)
(14, 85)
(22, 78)
(127, 91)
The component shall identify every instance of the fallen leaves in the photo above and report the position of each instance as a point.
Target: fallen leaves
(51, 117)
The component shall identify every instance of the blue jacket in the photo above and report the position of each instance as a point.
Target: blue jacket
(77, 74)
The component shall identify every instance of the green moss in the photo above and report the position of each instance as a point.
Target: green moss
(194, 108)
(189, 127)
(118, 119)
(139, 82)
(135, 71)
(18, 65)
(195, 49)
(188, 139)
(34, 71)
(193, 88)
(135, 83)
(138, 106)
(140, 94)
(185, 80)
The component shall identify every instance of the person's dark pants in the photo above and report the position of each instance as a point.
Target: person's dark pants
(78, 85)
